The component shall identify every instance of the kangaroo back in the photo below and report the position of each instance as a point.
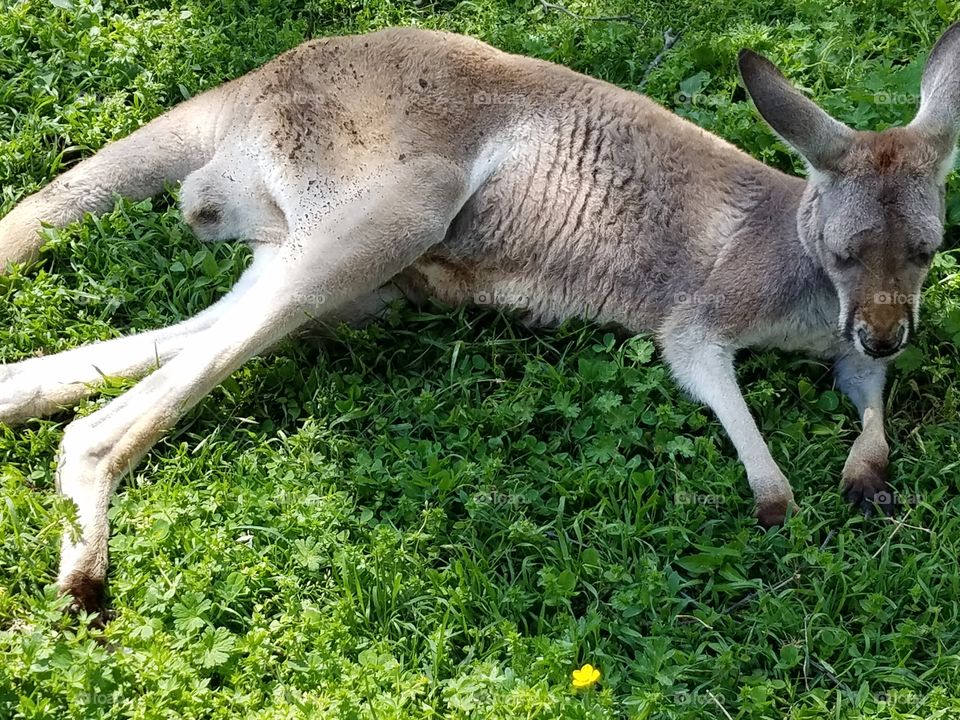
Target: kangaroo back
(164, 150)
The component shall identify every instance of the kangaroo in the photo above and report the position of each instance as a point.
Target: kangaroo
(410, 162)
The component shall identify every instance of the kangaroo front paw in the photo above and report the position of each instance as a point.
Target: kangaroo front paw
(773, 513)
(865, 486)
(772, 508)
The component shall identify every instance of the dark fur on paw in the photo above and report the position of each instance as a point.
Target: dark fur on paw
(870, 490)
(89, 595)
(772, 513)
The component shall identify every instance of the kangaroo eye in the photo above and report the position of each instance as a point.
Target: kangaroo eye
(844, 261)
(923, 257)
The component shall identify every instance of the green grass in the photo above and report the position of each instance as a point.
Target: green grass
(443, 515)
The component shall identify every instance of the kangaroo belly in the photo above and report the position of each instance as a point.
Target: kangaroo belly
(548, 237)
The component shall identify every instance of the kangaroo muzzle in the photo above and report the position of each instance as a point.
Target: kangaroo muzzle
(882, 345)
(881, 329)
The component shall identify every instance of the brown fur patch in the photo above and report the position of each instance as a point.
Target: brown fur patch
(890, 153)
(897, 151)
(883, 318)
(89, 595)
(772, 513)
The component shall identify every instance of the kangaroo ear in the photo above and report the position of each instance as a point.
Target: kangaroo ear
(939, 116)
(819, 138)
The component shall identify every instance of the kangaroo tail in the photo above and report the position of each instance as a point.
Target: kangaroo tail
(164, 150)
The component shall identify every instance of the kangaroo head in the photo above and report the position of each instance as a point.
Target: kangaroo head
(872, 214)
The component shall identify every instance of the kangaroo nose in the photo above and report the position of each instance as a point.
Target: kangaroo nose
(881, 347)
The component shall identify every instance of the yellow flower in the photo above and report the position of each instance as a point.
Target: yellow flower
(585, 677)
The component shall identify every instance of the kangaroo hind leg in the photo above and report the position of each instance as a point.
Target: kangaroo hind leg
(325, 265)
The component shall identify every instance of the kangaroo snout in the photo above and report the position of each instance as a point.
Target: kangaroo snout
(882, 345)
(881, 329)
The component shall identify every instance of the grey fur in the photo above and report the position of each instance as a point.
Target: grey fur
(440, 165)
